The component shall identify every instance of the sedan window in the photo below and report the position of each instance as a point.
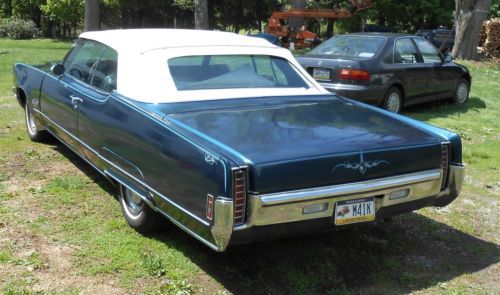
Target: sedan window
(350, 46)
(405, 52)
(82, 61)
(233, 71)
(429, 53)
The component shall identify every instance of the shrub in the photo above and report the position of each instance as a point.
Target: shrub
(19, 29)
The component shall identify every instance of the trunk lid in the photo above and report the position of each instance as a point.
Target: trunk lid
(308, 143)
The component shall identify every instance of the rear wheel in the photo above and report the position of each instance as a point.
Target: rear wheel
(34, 131)
(393, 101)
(461, 92)
(137, 213)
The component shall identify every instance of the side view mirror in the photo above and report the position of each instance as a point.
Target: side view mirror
(57, 69)
(448, 57)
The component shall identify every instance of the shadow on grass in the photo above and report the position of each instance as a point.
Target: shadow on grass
(410, 253)
(443, 108)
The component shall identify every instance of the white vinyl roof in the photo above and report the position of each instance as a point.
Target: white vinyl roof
(143, 72)
(141, 40)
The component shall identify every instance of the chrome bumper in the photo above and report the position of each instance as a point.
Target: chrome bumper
(285, 207)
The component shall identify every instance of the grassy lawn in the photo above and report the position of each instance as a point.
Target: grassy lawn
(61, 229)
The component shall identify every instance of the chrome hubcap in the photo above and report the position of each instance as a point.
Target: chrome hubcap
(393, 102)
(133, 202)
(462, 91)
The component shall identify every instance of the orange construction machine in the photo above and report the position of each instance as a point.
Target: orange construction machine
(278, 24)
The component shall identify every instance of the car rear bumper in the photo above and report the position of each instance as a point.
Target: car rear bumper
(281, 214)
(369, 94)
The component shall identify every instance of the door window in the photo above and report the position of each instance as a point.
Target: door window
(428, 52)
(104, 76)
(405, 52)
(83, 60)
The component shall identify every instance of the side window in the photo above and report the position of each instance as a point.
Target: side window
(429, 53)
(105, 74)
(405, 52)
(82, 61)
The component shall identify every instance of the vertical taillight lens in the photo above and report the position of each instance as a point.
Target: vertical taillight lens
(445, 158)
(240, 195)
(210, 207)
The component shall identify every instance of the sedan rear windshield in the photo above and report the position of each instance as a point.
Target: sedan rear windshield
(233, 71)
(350, 46)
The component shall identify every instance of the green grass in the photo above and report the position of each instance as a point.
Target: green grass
(59, 219)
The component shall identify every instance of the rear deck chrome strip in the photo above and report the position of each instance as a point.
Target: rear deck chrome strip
(347, 189)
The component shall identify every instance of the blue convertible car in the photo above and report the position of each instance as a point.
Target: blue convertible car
(230, 138)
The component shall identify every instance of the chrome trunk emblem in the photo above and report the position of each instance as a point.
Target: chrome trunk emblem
(361, 166)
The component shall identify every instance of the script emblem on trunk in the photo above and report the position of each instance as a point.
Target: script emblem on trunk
(361, 166)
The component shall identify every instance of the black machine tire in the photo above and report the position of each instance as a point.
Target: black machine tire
(34, 131)
(393, 100)
(462, 91)
(137, 213)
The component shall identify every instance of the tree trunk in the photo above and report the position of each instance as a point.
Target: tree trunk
(469, 17)
(329, 29)
(201, 14)
(91, 22)
(297, 22)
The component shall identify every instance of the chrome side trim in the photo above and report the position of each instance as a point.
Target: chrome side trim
(223, 222)
(166, 199)
(347, 189)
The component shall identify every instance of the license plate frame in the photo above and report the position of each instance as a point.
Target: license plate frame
(322, 74)
(354, 211)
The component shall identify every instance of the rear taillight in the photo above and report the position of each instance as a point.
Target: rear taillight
(445, 158)
(240, 195)
(210, 207)
(350, 74)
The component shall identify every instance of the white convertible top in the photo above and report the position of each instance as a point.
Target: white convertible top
(141, 40)
(143, 73)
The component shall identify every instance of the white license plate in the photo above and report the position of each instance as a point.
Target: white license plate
(353, 211)
(321, 74)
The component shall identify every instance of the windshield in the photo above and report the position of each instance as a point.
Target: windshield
(233, 71)
(350, 46)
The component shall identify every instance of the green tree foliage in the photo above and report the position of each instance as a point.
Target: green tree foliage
(62, 17)
(67, 14)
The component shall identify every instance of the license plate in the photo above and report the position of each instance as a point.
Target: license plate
(321, 74)
(353, 211)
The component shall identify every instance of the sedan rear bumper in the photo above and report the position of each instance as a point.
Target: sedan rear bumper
(282, 214)
(369, 94)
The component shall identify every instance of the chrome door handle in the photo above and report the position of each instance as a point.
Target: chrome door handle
(75, 100)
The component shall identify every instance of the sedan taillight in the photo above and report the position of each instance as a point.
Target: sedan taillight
(240, 195)
(350, 74)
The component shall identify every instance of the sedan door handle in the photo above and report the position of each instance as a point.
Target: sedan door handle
(75, 100)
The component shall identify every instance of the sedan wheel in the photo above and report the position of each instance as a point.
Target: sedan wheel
(35, 133)
(462, 92)
(137, 213)
(393, 100)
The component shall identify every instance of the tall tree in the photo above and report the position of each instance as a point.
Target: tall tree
(201, 14)
(469, 17)
(91, 21)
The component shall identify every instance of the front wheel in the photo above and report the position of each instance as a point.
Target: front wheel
(461, 92)
(137, 213)
(393, 101)
(34, 132)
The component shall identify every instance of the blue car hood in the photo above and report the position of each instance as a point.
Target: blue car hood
(304, 139)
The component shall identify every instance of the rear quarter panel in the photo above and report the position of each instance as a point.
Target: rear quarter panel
(175, 171)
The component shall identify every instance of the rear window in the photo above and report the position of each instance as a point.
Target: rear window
(233, 71)
(350, 46)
